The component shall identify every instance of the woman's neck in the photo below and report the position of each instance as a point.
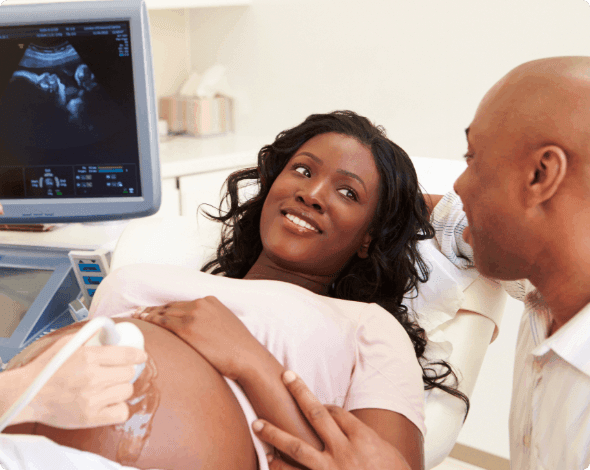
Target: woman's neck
(266, 269)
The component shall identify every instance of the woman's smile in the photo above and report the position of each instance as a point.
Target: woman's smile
(300, 225)
(302, 219)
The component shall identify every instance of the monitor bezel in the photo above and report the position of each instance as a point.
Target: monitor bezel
(24, 211)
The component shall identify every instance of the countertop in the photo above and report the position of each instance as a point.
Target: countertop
(185, 155)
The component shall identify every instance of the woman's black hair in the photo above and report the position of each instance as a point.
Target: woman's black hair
(394, 267)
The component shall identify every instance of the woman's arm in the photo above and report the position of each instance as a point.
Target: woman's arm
(261, 381)
(398, 431)
(220, 337)
(263, 385)
(349, 443)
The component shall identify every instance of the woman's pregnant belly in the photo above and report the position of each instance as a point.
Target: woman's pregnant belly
(183, 413)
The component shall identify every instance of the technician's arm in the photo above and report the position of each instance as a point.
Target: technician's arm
(89, 390)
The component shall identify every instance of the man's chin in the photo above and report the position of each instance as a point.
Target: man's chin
(496, 270)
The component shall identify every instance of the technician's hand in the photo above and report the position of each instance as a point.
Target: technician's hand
(88, 390)
(349, 443)
(211, 329)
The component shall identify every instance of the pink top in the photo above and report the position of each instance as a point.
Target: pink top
(350, 354)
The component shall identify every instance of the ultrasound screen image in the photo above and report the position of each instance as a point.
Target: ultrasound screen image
(55, 82)
(67, 103)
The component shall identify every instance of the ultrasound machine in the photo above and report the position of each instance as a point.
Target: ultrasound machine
(78, 144)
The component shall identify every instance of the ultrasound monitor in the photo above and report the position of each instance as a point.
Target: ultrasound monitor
(78, 122)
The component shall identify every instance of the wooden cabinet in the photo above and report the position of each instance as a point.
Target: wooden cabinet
(182, 195)
(203, 188)
(170, 198)
(194, 170)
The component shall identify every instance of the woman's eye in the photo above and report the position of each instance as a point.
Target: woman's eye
(468, 156)
(303, 170)
(348, 193)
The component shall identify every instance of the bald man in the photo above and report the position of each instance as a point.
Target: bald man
(526, 196)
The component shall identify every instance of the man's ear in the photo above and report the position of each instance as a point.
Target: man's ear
(549, 165)
(363, 251)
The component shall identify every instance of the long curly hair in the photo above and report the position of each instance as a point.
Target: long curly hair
(394, 267)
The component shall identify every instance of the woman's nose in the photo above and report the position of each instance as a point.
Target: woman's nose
(312, 196)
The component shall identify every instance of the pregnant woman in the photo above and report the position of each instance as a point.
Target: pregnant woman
(310, 276)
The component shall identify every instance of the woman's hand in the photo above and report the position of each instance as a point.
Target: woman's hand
(211, 329)
(349, 443)
(88, 390)
(432, 200)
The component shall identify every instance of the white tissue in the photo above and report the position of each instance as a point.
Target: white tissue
(189, 88)
(162, 127)
(211, 83)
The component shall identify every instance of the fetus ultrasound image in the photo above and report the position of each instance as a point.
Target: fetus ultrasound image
(67, 101)
(53, 100)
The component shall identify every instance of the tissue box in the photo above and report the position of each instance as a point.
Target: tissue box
(197, 116)
(172, 110)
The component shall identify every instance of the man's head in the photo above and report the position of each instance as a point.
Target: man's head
(526, 190)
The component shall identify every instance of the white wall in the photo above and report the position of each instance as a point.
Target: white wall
(417, 67)
(170, 35)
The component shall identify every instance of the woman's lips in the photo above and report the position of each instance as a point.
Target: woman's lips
(300, 224)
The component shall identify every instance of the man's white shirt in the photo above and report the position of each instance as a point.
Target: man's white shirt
(550, 409)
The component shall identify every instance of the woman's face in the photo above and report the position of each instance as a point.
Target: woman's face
(319, 209)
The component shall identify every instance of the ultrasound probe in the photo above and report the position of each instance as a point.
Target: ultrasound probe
(120, 334)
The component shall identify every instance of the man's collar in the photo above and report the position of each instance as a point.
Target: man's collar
(571, 342)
